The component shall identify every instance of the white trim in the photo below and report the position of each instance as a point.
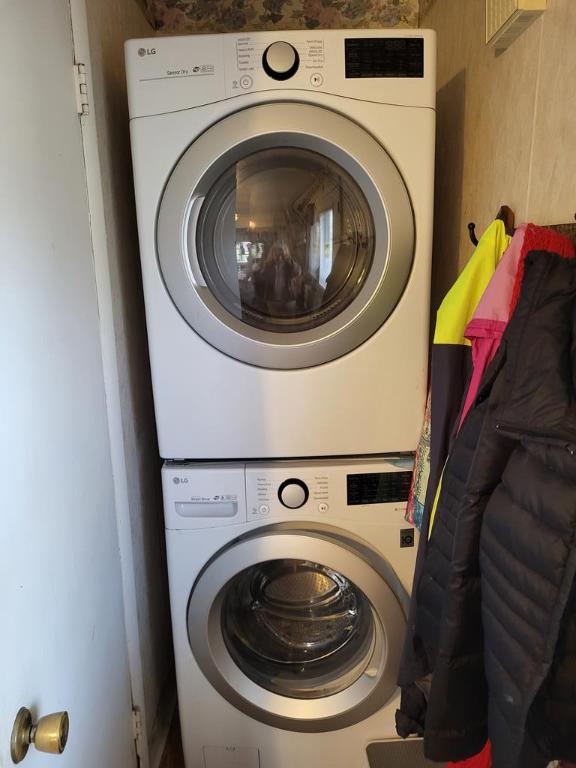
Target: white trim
(111, 378)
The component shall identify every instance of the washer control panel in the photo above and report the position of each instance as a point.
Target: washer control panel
(342, 488)
(275, 489)
(210, 495)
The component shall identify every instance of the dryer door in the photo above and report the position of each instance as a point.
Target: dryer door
(300, 629)
(285, 235)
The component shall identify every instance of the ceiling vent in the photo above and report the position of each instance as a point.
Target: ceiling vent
(507, 19)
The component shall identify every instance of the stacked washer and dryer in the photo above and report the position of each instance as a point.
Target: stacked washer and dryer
(284, 194)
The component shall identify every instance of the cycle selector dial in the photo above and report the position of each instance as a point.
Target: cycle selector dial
(293, 493)
(280, 60)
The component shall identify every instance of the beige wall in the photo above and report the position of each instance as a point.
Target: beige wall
(423, 8)
(506, 126)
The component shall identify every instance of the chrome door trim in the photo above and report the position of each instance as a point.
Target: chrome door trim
(363, 697)
(330, 134)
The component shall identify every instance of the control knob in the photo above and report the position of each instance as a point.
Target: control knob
(293, 493)
(280, 60)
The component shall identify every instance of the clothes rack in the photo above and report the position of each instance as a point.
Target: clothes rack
(506, 214)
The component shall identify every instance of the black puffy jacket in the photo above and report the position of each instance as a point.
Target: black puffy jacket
(492, 624)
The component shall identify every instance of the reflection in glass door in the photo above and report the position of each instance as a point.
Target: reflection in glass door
(285, 239)
(326, 226)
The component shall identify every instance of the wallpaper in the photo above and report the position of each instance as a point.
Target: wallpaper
(186, 16)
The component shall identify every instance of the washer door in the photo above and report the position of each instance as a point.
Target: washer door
(285, 235)
(300, 629)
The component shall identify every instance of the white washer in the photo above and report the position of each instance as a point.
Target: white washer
(289, 590)
(284, 192)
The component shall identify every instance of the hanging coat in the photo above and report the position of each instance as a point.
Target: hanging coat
(496, 618)
(485, 331)
(449, 373)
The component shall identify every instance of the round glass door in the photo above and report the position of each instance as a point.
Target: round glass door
(285, 235)
(285, 239)
(300, 629)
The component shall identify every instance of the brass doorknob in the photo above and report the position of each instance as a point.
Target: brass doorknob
(50, 734)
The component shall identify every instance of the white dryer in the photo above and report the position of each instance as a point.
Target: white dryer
(289, 589)
(284, 194)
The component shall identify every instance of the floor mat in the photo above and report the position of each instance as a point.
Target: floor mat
(398, 754)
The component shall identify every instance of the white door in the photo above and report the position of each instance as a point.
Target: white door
(62, 644)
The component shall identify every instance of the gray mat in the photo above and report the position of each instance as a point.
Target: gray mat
(398, 754)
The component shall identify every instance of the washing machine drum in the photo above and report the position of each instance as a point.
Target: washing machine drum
(285, 235)
(308, 643)
(298, 628)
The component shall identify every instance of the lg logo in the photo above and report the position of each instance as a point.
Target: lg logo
(178, 480)
(146, 51)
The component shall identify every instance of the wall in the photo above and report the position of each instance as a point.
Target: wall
(101, 27)
(506, 126)
(423, 7)
(184, 16)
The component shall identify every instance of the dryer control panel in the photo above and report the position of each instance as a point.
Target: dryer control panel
(202, 495)
(386, 66)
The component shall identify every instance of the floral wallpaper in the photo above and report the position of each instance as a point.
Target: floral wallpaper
(185, 16)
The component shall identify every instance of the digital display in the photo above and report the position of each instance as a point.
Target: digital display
(384, 57)
(378, 487)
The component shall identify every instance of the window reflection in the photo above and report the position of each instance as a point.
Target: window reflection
(325, 246)
(286, 239)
